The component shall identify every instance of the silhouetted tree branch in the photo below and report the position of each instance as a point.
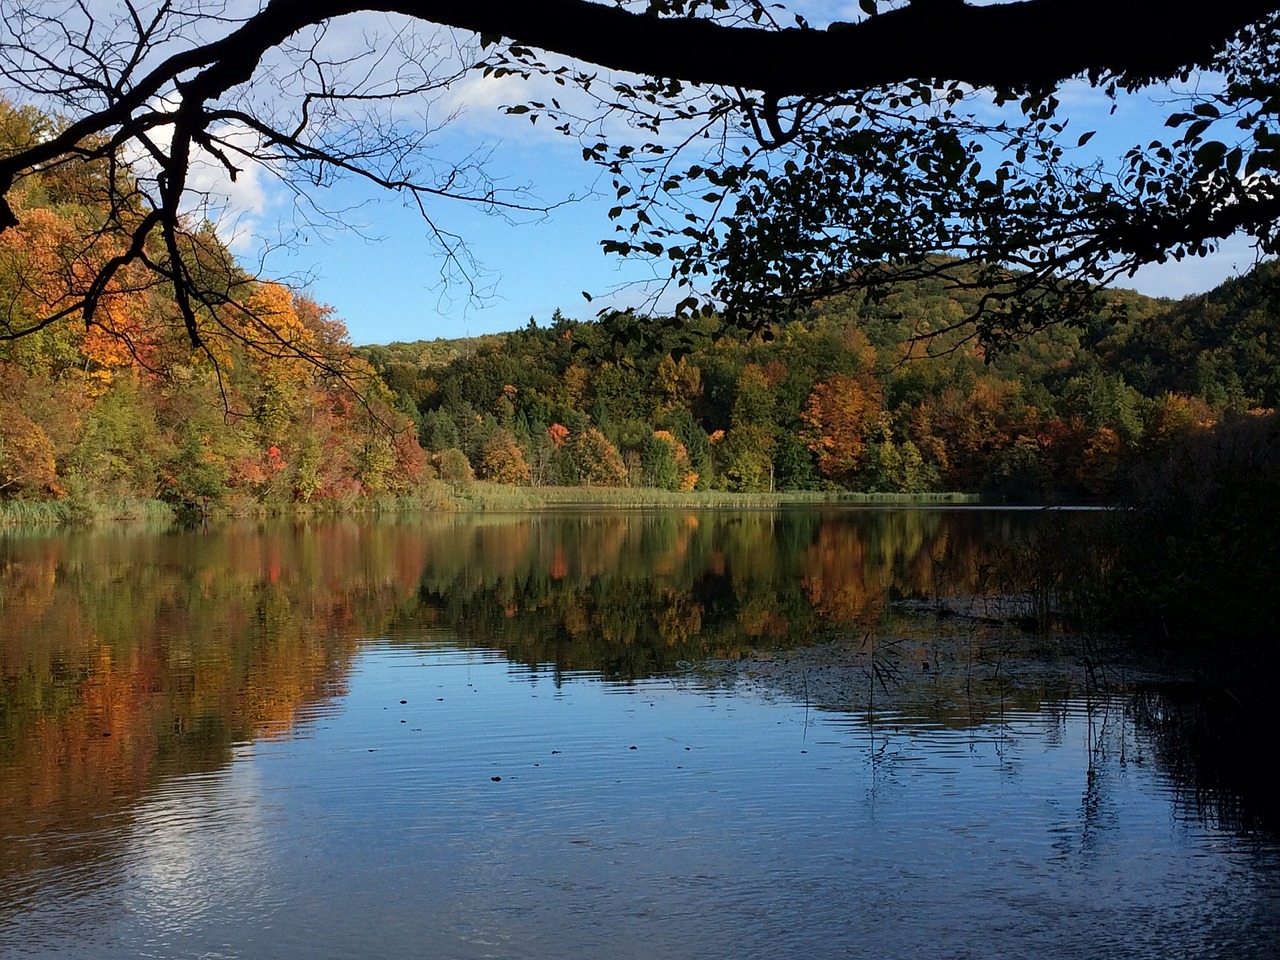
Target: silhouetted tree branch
(844, 156)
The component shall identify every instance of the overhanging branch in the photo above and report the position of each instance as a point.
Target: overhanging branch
(1031, 44)
(1007, 45)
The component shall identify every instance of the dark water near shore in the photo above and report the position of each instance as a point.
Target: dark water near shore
(491, 737)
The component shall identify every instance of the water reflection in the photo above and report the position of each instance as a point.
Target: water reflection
(198, 737)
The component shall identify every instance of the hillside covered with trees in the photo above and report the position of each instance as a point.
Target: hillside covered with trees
(879, 396)
(267, 404)
(105, 412)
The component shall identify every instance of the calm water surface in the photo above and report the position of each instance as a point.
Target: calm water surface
(461, 738)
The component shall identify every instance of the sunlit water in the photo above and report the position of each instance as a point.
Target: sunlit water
(433, 799)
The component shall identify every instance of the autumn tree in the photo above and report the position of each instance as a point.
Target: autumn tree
(27, 464)
(502, 460)
(841, 413)
(455, 470)
(666, 462)
(677, 383)
(110, 408)
(597, 461)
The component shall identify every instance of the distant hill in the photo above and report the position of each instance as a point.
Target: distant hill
(424, 354)
(894, 394)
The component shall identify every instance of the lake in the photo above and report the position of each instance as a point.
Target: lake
(587, 733)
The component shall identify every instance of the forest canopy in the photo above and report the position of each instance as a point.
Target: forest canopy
(275, 407)
(103, 415)
(831, 404)
(762, 160)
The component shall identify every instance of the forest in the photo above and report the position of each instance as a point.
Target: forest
(117, 414)
(884, 396)
(1167, 408)
(102, 415)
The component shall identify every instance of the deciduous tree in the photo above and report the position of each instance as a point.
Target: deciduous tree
(597, 460)
(841, 413)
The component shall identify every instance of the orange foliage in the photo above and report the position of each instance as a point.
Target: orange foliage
(502, 460)
(839, 414)
(1177, 413)
(27, 463)
(775, 371)
(837, 571)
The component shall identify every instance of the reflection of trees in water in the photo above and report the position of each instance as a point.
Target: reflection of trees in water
(168, 648)
(633, 593)
(128, 656)
(1200, 737)
(1215, 749)
(125, 658)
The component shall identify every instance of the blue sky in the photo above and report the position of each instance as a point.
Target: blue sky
(384, 279)
(390, 288)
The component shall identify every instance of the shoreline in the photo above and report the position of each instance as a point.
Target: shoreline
(479, 496)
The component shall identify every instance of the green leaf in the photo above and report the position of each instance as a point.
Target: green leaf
(1210, 154)
(1085, 138)
(1194, 131)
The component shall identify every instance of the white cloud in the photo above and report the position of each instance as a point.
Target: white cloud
(236, 206)
(477, 92)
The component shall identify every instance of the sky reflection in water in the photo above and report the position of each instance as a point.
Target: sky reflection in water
(657, 820)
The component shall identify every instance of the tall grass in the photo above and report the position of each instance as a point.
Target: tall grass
(30, 512)
(84, 508)
(84, 511)
(429, 496)
(497, 496)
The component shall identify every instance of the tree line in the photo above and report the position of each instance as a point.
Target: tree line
(860, 395)
(891, 393)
